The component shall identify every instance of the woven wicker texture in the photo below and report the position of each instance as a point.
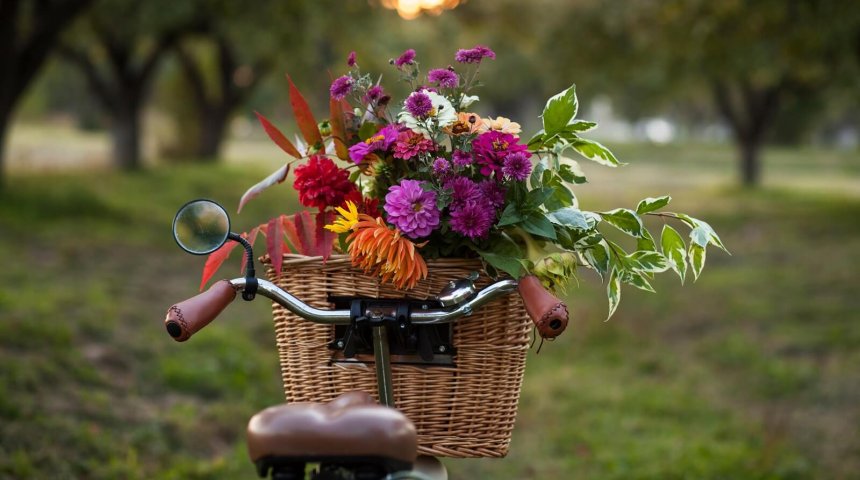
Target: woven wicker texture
(462, 411)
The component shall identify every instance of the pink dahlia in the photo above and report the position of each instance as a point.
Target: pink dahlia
(405, 58)
(443, 77)
(462, 190)
(341, 87)
(474, 55)
(412, 209)
(410, 144)
(517, 166)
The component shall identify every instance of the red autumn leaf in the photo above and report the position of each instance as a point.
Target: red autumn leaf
(251, 237)
(278, 137)
(338, 130)
(325, 238)
(305, 230)
(275, 244)
(213, 263)
(304, 117)
(292, 236)
(278, 176)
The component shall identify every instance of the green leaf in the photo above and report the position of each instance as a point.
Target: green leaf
(595, 152)
(651, 262)
(613, 291)
(367, 130)
(536, 141)
(560, 109)
(651, 204)
(625, 220)
(538, 224)
(646, 241)
(569, 217)
(579, 126)
(697, 260)
(674, 250)
(639, 281)
(535, 180)
(561, 196)
(537, 197)
(598, 257)
(700, 236)
(694, 223)
(510, 216)
(570, 171)
(504, 256)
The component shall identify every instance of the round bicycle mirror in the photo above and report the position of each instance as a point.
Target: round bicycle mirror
(201, 227)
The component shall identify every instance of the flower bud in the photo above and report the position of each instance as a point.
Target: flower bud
(325, 128)
(555, 270)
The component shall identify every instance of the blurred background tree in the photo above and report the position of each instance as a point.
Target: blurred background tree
(28, 33)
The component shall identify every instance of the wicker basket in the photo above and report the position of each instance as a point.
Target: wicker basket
(465, 410)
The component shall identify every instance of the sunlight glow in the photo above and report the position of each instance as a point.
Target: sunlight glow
(410, 9)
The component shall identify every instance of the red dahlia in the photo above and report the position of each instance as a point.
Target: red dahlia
(322, 184)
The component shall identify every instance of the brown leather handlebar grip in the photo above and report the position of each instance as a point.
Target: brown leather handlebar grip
(547, 312)
(188, 317)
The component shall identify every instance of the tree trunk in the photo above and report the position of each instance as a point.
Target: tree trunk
(5, 124)
(750, 162)
(125, 135)
(213, 124)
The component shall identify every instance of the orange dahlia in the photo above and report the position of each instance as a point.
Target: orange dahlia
(384, 251)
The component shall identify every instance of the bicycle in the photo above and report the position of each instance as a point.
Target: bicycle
(350, 437)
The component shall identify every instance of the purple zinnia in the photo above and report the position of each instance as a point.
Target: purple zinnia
(405, 58)
(441, 166)
(377, 143)
(462, 190)
(419, 104)
(350, 59)
(474, 55)
(412, 209)
(461, 158)
(517, 166)
(443, 77)
(341, 87)
(473, 219)
(491, 148)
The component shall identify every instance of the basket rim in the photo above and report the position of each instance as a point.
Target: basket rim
(337, 259)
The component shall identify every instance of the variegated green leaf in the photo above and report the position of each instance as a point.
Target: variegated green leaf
(613, 292)
(625, 220)
(652, 204)
(674, 250)
(697, 260)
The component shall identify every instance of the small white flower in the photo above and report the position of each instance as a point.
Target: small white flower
(466, 100)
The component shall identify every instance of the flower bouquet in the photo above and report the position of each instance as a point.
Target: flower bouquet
(415, 194)
(396, 183)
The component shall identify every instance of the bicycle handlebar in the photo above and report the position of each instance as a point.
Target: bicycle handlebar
(188, 317)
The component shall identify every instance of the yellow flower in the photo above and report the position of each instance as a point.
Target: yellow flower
(500, 124)
(348, 218)
(385, 252)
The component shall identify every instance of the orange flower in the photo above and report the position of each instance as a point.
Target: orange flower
(466, 123)
(385, 252)
(500, 124)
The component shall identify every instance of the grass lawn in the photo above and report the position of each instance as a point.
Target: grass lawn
(750, 373)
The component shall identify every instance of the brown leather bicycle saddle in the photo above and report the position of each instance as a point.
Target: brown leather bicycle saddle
(352, 425)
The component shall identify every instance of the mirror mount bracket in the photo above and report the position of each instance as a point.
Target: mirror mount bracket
(250, 290)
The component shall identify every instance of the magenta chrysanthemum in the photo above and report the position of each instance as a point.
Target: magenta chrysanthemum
(341, 87)
(462, 190)
(412, 209)
(472, 219)
(410, 144)
(493, 192)
(441, 166)
(419, 104)
(461, 158)
(517, 166)
(405, 58)
(474, 55)
(491, 148)
(350, 59)
(443, 77)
